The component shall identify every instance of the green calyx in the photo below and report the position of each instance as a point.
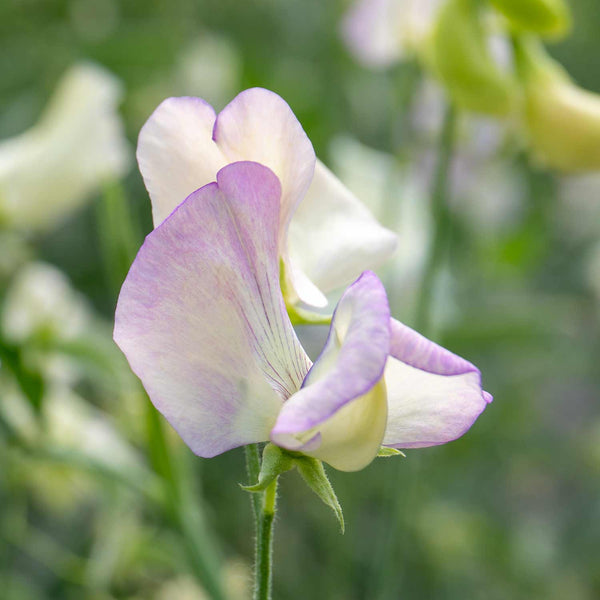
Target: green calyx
(385, 452)
(276, 461)
(459, 54)
(545, 17)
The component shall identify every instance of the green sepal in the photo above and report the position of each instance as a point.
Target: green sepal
(275, 461)
(384, 452)
(313, 473)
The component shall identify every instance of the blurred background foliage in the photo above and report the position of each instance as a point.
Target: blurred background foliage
(99, 501)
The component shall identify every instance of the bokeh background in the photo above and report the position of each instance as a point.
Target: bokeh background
(100, 501)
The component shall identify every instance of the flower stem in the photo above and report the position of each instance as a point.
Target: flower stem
(263, 505)
(441, 222)
(253, 468)
(264, 545)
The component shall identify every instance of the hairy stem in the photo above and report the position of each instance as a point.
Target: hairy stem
(264, 545)
(263, 507)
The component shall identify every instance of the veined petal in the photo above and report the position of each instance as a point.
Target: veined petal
(259, 125)
(201, 318)
(339, 415)
(333, 237)
(434, 396)
(176, 153)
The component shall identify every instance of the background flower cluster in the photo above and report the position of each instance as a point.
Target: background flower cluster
(101, 501)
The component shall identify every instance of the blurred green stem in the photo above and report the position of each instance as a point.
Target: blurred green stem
(118, 235)
(397, 527)
(119, 242)
(183, 512)
(441, 222)
(263, 506)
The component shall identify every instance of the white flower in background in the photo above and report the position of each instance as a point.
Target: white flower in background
(380, 33)
(72, 422)
(58, 331)
(68, 423)
(78, 143)
(42, 302)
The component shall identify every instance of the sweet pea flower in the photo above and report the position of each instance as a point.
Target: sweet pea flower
(203, 323)
(50, 170)
(326, 236)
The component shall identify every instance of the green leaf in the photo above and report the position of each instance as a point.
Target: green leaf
(313, 472)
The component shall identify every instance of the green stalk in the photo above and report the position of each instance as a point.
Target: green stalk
(253, 467)
(263, 507)
(264, 545)
(441, 222)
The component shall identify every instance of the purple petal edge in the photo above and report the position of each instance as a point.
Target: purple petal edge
(355, 372)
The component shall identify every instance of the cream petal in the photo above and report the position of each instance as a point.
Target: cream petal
(259, 125)
(333, 237)
(176, 153)
(434, 396)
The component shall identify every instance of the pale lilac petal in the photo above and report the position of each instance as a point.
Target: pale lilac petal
(333, 237)
(372, 31)
(434, 396)
(259, 125)
(176, 153)
(349, 368)
(201, 318)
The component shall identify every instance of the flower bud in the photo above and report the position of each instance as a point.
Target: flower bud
(562, 119)
(546, 17)
(460, 55)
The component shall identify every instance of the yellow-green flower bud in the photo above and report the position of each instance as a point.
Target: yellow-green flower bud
(460, 56)
(562, 119)
(546, 17)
